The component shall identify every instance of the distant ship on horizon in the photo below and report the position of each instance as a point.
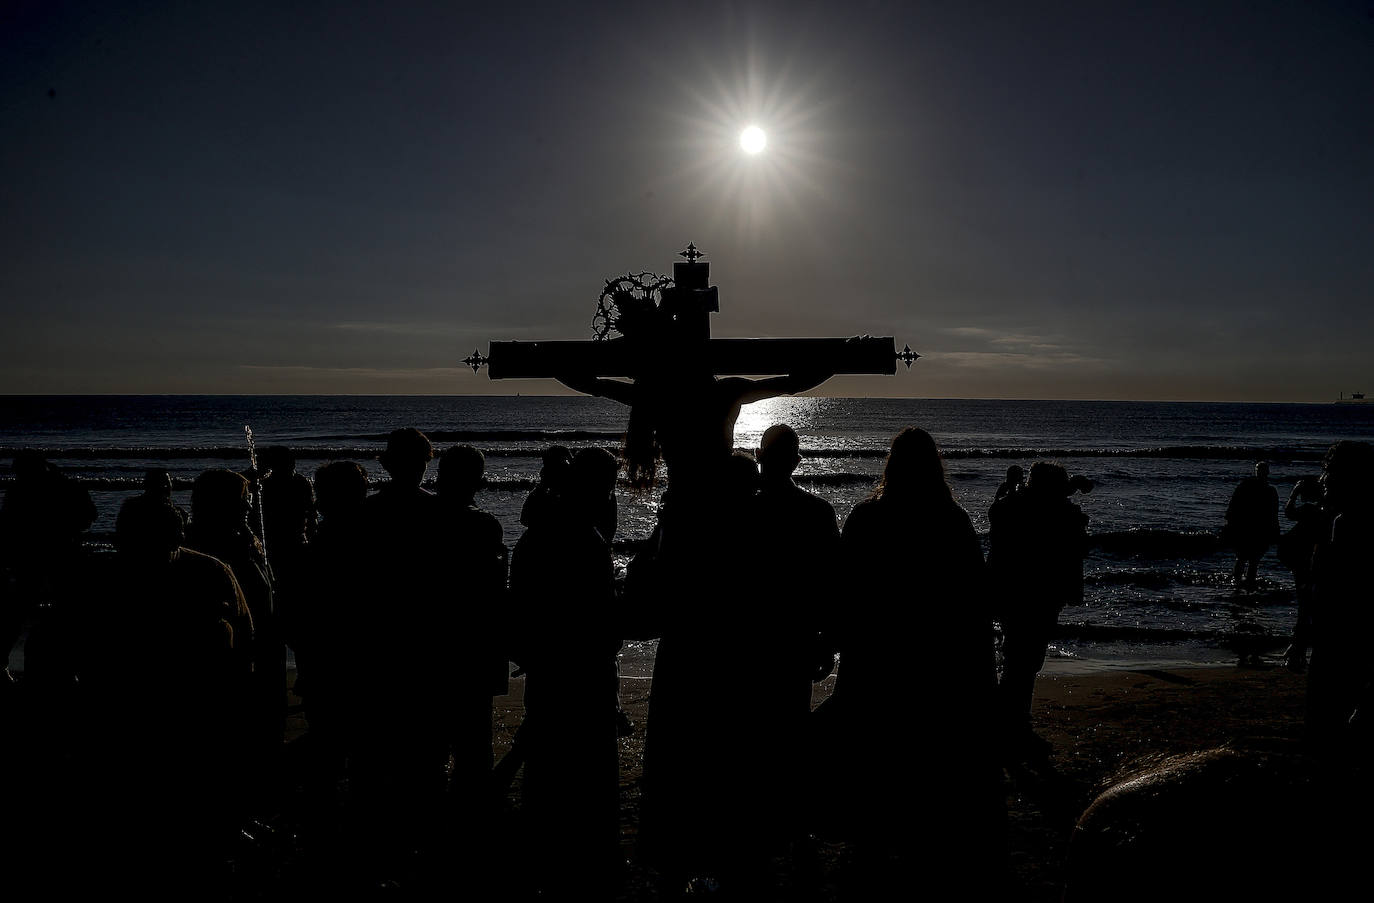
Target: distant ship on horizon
(1355, 398)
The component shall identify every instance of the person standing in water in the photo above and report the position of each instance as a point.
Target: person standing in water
(1252, 524)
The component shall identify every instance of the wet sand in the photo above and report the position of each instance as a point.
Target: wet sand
(1098, 722)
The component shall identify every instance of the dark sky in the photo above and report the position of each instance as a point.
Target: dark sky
(1048, 200)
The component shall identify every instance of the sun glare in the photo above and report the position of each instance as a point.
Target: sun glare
(752, 140)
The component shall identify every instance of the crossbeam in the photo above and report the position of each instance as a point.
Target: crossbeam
(726, 357)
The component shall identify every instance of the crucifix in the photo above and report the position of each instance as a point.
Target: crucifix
(653, 351)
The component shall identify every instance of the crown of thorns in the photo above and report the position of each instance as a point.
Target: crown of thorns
(629, 305)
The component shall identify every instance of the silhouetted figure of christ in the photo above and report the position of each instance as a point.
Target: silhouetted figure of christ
(562, 583)
(685, 415)
(906, 736)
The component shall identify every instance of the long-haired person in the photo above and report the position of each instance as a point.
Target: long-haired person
(907, 730)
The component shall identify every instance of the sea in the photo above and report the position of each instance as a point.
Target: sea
(1158, 581)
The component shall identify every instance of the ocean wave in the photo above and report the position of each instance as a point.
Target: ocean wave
(835, 479)
(1144, 543)
(349, 447)
(554, 436)
(1159, 578)
(133, 484)
(1249, 634)
(237, 453)
(1203, 452)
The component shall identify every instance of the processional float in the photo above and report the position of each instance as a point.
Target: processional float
(642, 317)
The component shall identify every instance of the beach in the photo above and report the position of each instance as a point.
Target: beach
(1099, 721)
(1143, 668)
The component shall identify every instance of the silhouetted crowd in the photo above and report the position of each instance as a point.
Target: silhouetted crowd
(154, 696)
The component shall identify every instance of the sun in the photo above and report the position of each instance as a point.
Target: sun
(752, 140)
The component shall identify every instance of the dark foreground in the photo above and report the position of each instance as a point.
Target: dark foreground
(1100, 725)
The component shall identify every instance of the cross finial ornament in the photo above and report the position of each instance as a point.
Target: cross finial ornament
(906, 356)
(691, 253)
(477, 360)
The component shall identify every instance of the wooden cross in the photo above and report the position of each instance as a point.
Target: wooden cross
(679, 323)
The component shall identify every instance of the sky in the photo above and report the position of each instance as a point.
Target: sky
(1108, 200)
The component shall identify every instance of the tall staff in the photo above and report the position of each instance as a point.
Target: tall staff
(257, 487)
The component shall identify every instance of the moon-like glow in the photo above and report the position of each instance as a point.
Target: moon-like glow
(752, 140)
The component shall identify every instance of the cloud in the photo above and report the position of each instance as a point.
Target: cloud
(1011, 345)
(402, 329)
(1018, 360)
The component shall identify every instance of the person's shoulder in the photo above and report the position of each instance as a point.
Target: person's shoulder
(490, 525)
(191, 561)
(478, 524)
(862, 513)
(1073, 514)
(957, 514)
(815, 505)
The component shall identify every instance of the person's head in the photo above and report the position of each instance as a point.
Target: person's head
(1348, 476)
(30, 465)
(1015, 475)
(407, 454)
(1309, 489)
(157, 483)
(1262, 470)
(340, 488)
(1049, 479)
(739, 475)
(557, 461)
(148, 532)
(460, 471)
(913, 468)
(592, 475)
(278, 459)
(779, 451)
(219, 500)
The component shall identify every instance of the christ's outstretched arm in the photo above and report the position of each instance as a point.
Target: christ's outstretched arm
(613, 389)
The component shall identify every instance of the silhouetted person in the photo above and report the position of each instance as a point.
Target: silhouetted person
(1252, 523)
(288, 521)
(1339, 701)
(400, 756)
(553, 476)
(1038, 541)
(794, 577)
(1295, 550)
(562, 582)
(1014, 482)
(476, 564)
(219, 528)
(42, 520)
(909, 768)
(692, 774)
(330, 628)
(167, 662)
(157, 490)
